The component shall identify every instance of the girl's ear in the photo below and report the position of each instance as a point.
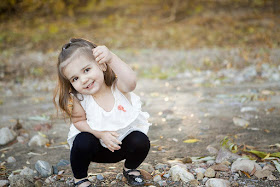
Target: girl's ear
(102, 66)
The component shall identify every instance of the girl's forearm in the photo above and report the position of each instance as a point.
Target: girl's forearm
(84, 127)
(125, 74)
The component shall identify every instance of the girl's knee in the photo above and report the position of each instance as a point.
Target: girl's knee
(139, 140)
(85, 142)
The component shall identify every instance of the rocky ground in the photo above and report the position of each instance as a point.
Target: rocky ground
(196, 99)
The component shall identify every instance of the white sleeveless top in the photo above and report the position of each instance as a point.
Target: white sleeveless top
(124, 118)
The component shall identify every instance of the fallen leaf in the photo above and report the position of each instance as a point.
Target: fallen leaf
(191, 140)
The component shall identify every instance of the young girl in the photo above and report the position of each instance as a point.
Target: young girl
(107, 122)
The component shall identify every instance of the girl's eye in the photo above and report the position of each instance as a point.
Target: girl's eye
(74, 79)
(87, 70)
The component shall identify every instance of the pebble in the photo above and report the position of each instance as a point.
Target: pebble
(240, 122)
(244, 165)
(6, 135)
(147, 167)
(209, 173)
(166, 175)
(199, 176)
(194, 183)
(62, 163)
(28, 171)
(225, 154)
(11, 159)
(204, 180)
(157, 178)
(120, 176)
(146, 175)
(100, 177)
(4, 183)
(43, 168)
(212, 150)
(38, 140)
(162, 183)
(21, 181)
(217, 183)
(220, 167)
(178, 173)
(161, 166)
(200, 170)
(210, 162)
(114, 182)
(260, 174)
(38, 183)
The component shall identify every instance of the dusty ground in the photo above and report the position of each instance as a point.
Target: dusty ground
(180, 109)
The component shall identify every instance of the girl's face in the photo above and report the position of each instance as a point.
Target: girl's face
(84, 75)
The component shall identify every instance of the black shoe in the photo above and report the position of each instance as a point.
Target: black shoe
(133, 179)
(82, 181)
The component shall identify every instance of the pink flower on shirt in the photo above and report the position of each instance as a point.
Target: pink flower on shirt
(120, 107)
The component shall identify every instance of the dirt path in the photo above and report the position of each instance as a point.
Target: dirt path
(180, 109)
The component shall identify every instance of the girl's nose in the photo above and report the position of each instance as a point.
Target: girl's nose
(84, 80)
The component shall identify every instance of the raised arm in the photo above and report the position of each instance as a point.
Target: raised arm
(126, 81)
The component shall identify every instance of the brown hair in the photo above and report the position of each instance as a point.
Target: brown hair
(64, 88)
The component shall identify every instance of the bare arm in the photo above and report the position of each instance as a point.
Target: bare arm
(80, 122)
(126, 81)
(79, 119)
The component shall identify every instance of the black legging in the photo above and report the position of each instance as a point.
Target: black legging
(87, 148)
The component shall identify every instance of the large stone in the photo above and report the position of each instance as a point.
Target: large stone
(217, 183)
(147, 167)
(28, 171)
(224, 155)
(21, 181)
(260, 174)
(38, 140)
(245, 165)
(43, 168)
(178, 173)
(4, 183)
(6, 135)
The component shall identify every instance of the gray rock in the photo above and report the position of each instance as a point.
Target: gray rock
(43, 168)
(28, 171)
(100, 177)
(212, 150)
(38, 183)
(162, 183)
(200, 170)
(166, 175)
(224, 155)
(11, 159)
(161, 166)
(178, 173)
(209, 173)
(199, 176)
(62, 163)
(6, 135)
(244, 165)
(157, 178)
(217, 183)
(21, 181)
(38, 140)
(147, 167)
(4, 183)
(119, 176)
(240, 122)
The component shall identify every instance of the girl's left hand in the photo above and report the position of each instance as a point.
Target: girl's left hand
(102, 55)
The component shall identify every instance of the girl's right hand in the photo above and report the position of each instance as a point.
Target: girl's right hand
(110, 140)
